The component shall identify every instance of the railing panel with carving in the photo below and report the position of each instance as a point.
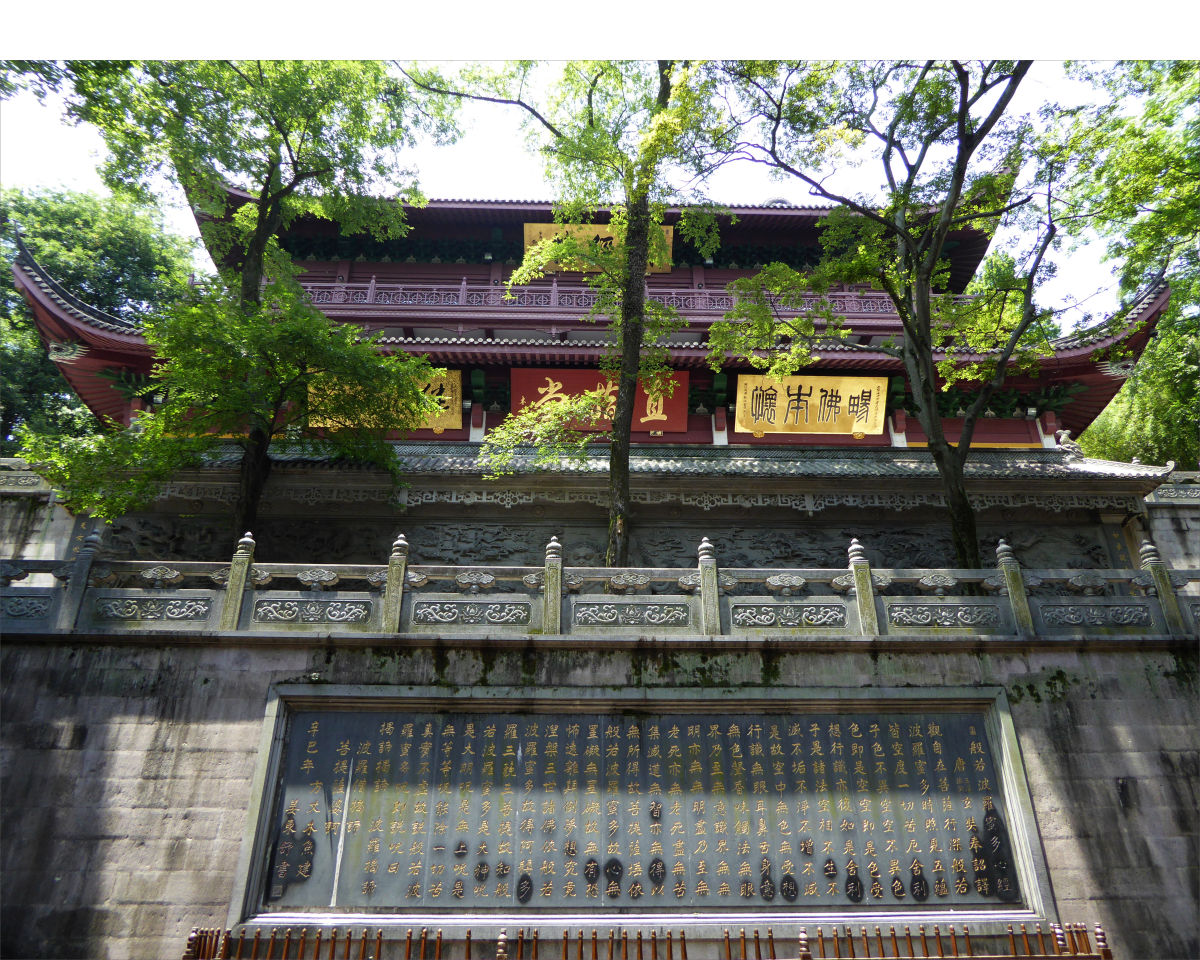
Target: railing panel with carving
(45, 596)
(563, 298)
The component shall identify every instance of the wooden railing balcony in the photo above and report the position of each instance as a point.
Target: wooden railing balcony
(547, 300)
(705, 604)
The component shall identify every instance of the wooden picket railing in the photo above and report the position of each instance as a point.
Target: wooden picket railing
(1039, 943)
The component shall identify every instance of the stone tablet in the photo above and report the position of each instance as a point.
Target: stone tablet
(382, 810)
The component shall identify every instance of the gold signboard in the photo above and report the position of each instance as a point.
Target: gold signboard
(843, 405)
(538, 387)
(446, 388)
(585, 232)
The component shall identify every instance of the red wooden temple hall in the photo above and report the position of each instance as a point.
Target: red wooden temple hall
(410, 719)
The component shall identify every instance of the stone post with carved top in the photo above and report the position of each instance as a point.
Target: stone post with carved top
(552, 589)
(78, 575)
(235, 589)
(1014, 584)
(710, 610)
(1153, 564)
(864, 590)
(393, 588)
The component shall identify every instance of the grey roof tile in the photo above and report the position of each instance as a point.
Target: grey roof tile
(459, 457)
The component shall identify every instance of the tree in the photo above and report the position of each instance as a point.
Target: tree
(626, 136)
(950, 155)
(316, 138)
(141, 268)
(277, 368)
(1145, 189)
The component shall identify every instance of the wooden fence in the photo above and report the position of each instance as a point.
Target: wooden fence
(1037, 943)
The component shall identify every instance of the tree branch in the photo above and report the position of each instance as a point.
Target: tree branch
(481, 98)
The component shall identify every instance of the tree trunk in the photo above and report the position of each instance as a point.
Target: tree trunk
(252, 479)
(256, 455)
(918, 363)
(963, 532)
(633, 323)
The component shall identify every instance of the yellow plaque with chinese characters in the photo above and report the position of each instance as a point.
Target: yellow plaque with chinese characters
(584, 232)
(841, 405)
(446, 388)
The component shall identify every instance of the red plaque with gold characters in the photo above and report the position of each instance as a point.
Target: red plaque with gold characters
(540, 387)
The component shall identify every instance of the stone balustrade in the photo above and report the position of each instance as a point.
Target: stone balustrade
(702, 603)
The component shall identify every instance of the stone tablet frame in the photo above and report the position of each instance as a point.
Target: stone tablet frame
(1036, 901)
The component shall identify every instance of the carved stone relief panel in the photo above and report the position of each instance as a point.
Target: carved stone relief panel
(748, 539)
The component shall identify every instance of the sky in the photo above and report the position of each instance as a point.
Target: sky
(39, 150)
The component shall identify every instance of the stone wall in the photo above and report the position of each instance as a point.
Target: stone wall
(127, 770)
(1173, 518)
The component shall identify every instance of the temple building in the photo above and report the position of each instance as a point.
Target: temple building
(427, 717)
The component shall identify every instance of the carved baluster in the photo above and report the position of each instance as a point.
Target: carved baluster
(552, 589)
(77, 585)
(710, 611)
(239, 573)
(1153, 564)
(1102, 944)
(393, 589)
(10, 572)
(1014, 583)
(864, 590)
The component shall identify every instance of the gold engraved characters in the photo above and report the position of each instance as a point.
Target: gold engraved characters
(810, 404)
(678, 811)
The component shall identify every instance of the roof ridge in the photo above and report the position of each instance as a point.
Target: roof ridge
(85, 311)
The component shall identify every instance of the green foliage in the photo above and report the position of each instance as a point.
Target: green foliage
(625, 137)
(319, 138)
(1145, 191)
(1144, 165)
(970, 331)
(299, 138)
(1156, 415)
(109, 252)
(950, 155)
(231, 370)
(281, 366)
(109, 474)
(936, 175)
(780, 317)
(554, 432)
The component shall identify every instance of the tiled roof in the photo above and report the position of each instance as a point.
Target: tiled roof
(66, 300)
(459, 457)
(1112, 326)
